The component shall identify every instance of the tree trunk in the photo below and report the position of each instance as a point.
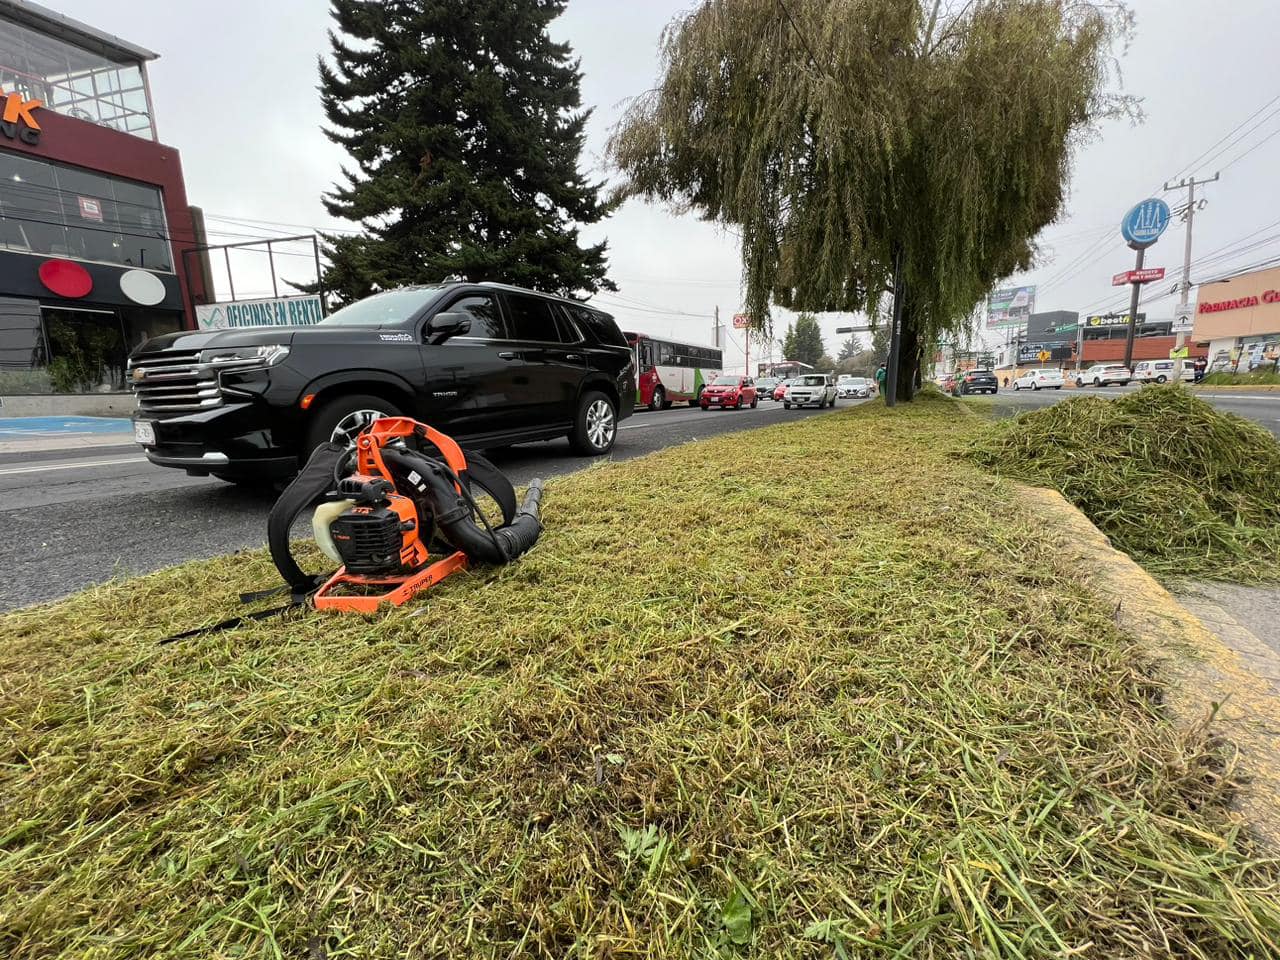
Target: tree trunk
(909, 354)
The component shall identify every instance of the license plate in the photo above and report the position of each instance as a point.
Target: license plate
(144, 433)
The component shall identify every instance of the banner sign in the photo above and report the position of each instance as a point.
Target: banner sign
(741, 321)
(1138, 276)
(1012, 305)
(275, 312)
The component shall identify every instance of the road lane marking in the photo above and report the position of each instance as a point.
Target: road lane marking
(61, 465)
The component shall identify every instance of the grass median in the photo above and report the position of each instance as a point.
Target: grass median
(821, 689)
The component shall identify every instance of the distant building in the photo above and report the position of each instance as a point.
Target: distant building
(93, 208)
(1237, 321)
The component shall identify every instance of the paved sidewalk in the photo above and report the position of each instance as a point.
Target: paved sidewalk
(27, 434)
(1246, 618)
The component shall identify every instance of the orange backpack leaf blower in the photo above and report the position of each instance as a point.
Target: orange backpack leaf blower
(403, 494)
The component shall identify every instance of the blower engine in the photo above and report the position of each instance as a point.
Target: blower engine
(404, 490)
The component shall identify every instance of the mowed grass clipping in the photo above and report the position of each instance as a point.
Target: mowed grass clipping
(819, 690)
(1184, 488)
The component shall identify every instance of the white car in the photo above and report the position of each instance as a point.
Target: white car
(1104, 374)
(818, 389)
(1161, 371)
(853, 387)
(1039, 380)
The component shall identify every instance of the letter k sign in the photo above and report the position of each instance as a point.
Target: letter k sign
(15, 109)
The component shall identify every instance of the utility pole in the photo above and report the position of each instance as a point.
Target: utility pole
(1184, 294)
(715, 330)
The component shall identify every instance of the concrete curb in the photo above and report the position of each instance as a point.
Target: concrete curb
(68, 442)
(1209, 680)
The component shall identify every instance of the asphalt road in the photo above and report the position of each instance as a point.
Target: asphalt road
(74, 519)
(1262, 407)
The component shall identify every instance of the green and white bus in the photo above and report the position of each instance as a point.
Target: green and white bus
(668, 371)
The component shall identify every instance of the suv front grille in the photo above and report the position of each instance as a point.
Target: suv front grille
(175, 382)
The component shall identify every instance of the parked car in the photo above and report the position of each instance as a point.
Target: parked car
(780, 391)
(1102, 374)
(1161, 371)
(853, 387)
(1039, 380)
(489, 364)
(727, 391)
(976, 381)
(765, 386)
(818, 389)
(949, 383)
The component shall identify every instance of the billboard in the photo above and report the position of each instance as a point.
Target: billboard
(275, 311)
(1010, 306)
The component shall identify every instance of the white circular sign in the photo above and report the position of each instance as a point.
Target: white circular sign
(142, 287)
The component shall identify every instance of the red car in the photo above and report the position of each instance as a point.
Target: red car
(729, 391)
(780, 391)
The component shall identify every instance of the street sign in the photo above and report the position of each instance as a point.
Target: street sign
(1179, 353)
(741, 321)
(1148, 275)
(1142, 225)
(1043, 356)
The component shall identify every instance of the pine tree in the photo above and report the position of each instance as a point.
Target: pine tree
(808, 346)
(466, 131)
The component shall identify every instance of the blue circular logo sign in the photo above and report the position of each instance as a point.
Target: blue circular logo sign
(1142, 226)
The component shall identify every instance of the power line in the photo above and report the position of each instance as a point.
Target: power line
(1189, 168)
(1270, 136)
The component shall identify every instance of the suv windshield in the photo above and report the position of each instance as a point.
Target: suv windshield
(383, 309)
(811, 381)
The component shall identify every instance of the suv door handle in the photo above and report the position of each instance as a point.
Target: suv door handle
(573, 356)
(507, 355)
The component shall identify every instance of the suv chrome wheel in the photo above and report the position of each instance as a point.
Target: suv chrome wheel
(601, 424)
(349, 427)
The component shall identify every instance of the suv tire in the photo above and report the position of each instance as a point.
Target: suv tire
(659, 399)
(345, 411)
(595, 426)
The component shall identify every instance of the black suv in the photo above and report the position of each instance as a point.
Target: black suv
(491, 365)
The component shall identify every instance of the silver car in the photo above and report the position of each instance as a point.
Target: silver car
(811, 389)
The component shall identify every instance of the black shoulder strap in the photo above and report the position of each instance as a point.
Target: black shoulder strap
(311, 483)
(492, 481)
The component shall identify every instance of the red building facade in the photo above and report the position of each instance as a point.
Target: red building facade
(93, 208)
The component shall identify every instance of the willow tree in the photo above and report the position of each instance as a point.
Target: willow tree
(863, 146)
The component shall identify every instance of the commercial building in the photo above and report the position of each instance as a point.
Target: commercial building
(1238, 321)
(94, 216)
(1104, 339)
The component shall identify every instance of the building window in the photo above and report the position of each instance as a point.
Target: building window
(61, 211)
(72, 349)
(74, 81)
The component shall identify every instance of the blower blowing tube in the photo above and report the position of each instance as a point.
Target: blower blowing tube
(454, 511)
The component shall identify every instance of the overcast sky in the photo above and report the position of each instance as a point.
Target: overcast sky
(234, 91)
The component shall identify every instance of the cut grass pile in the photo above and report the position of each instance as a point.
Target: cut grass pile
(818, 690)
(1182, 487)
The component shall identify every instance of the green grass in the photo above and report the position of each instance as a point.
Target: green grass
(821, 690)
(1181, 486)
(1255, 377)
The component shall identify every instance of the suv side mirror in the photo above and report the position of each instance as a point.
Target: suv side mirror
(448, 324)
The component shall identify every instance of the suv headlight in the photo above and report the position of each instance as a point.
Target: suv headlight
(240, 358)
